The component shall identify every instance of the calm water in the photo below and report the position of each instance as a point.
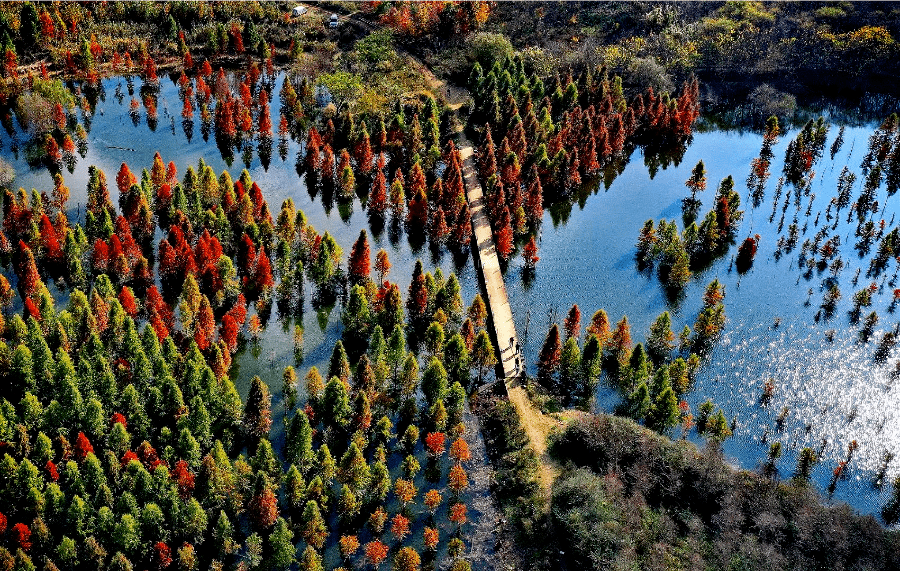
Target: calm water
(834, 387)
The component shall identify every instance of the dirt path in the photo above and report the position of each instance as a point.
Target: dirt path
(485, 530)
(538, 426)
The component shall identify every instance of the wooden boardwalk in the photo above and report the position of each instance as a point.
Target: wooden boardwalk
(488, 265)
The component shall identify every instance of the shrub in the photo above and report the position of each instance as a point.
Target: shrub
(488, 47)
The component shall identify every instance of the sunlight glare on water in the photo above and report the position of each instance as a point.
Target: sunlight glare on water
(834, 390)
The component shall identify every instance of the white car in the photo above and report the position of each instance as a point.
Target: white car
(333, 21)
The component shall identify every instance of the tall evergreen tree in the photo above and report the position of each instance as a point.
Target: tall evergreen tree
(257, 417)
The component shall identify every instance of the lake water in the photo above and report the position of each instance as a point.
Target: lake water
(834, 389)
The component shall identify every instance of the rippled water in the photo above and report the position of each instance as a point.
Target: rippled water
(833, 388)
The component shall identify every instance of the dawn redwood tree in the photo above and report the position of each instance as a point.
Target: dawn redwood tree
(430, 538)
(417, 297)
(714, 294)
(637, 403)
(549, 357)
(125, 179)
(228, 332)
(281, 545)
(377, 202)
(60, 193)
(52, 251)
(459, 451)
(661, 339)
(358, 266)
(362, 150)
(339, 365)
(391, 314)
(375, 553)
(205, 327)
(478, 311)
(82, 447)
(263, 505)
(483, 356)
(458, 514)
(457, 480)
(265, 119)
(572, 323)
(418, 214)
(161, 555)
(434, 381)
(353, 469)
(347, 181)
(289, 389)
(257, 418)
(534, 199)
(620, 342)
(128, 301)
(382, 265)
(262, 272)
(27, 272)
(326, 168)
(52, 151)
(461, 233)
(467, 331)
(680, 272)
(529, 254)
(570, 378)
(405, 490)
(399, 526)
(335, 404)
(504, 234)
(157, 172)
(349, 545)
(747, 251)
(438, 227)
(313, 527)
(298, 441)
(487, 160)
(664, 412)
(313, 150)
(407, 559)
(805, 463)
(310, 560)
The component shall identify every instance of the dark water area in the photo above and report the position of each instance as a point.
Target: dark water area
(114, 138)
(834, 390)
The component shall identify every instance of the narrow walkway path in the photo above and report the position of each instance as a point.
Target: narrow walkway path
(488, 263)
(537, 425)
